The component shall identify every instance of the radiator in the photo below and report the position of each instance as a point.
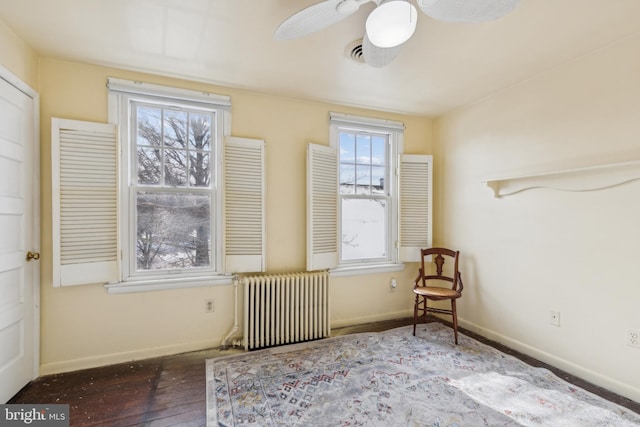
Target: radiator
(285, 308)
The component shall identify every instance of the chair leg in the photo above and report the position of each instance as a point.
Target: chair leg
(455, 320)
(415, 315)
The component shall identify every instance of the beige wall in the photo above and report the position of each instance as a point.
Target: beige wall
(17, 56)
(84, 326)
(541, 250)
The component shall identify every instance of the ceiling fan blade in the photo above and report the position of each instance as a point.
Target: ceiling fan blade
(315, 18)
(467, 11)
(376, 56)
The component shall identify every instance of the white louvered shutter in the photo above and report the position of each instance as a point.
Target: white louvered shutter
(322, 207)
(84, 202)
(244, 205)
(416, 210)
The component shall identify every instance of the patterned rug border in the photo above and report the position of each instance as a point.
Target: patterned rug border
(288, 348)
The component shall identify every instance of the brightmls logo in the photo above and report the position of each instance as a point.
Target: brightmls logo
(34, 415)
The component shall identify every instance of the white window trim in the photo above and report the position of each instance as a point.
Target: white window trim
(161, 285)
(121, 92)
(170, 93)
(396, 140)
(366, 269)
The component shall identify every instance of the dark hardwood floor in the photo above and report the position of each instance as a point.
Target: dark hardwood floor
(170, 391)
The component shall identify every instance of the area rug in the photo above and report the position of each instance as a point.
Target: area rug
(392, 378)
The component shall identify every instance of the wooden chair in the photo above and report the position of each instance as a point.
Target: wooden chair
(438, 286)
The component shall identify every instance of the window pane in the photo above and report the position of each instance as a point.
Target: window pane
(175, 128)
(363, 179)
(378, 152)
(200, 131)
(364, 229)
(363, 149)
(149, 160)
(347, 147)
(175, 168)
(347, 179)
(377, 179)
(149, 129)
(199, 172)
(173, 230)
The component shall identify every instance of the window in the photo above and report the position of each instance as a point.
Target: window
(144, 202)
(170, 172)
(367, 190)
(380, 199)
(158, 198)
(173, 187)
(365, 201)
(164, 209)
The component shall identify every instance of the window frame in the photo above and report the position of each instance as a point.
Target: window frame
(394, 131)
(122, 97)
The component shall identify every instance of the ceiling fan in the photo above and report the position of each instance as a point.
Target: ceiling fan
(391, 23)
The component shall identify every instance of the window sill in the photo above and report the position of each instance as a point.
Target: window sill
(365, 269)
(166, 284)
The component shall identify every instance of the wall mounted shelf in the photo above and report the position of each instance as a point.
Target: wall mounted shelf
(588, 178)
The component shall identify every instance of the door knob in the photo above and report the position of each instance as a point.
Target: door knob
(33, 255)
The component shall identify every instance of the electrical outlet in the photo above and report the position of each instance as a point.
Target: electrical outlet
(554, 318)
(208, 306)
(633, 338)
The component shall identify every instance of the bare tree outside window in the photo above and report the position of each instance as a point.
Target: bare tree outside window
(173, 215)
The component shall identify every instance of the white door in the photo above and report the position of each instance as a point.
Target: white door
(19, 236)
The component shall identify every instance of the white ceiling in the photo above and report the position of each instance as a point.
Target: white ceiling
(230, 43)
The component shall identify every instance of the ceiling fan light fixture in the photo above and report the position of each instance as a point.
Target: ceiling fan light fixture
(391, 23)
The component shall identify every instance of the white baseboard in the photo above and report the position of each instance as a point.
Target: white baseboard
(371, 319)
(129, 356)
(113, 358)
(586, 374)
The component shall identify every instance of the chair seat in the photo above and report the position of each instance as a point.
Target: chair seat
(434, 291)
